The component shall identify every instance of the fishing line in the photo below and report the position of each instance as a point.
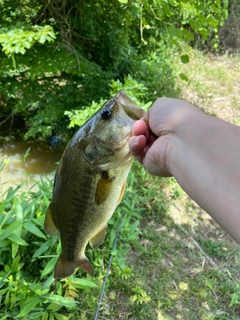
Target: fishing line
(109, 266)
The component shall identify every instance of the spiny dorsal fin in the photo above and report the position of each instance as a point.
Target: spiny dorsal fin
(49, 226)
(98, 238)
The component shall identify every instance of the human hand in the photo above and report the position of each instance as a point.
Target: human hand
(154, 146)
(202, 153)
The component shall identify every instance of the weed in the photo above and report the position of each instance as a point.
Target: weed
(158, 270)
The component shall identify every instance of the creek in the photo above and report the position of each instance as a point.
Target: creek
(40, 162)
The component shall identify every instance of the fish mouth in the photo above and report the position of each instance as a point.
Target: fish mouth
(131, 108)
(119, 144)
(123, 142)
(121, 152)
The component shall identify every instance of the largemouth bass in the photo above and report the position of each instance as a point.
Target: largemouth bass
(90, 181)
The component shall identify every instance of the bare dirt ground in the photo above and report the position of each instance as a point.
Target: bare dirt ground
(214, 85)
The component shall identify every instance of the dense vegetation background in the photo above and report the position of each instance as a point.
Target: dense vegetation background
(60, 56)
(59, 61)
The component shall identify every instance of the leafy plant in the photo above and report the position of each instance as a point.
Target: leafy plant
(57, 59)
(139, 296)
(27, 256)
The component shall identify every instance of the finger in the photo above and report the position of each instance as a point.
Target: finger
(140, 128)
(137, 144)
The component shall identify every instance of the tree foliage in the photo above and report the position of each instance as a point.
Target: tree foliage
(59, 56)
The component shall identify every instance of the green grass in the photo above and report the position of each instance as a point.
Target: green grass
(213, 84)
(191, 267)
(172, 260)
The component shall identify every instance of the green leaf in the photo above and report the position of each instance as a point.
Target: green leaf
(43, 248)
(17, 239)
(30, 226)
(139, 246)
(79, 283)
(48, 282)
(204, 32)
(16, 265)
(184, 58)
(147, 105)
(9, 230)
(123, 1)
(194, 24)
(42, 39)
(64, 302)
(133, 227)
(29, 306)
(3, 278)
(51, 317)
(166, 10)
(183, 77)
(18, 209)
(14, 249)
(172, 31)
(234, 299)
(59, 316)
(21, 50)
(3, 215)
(187, 35)
(49, 266)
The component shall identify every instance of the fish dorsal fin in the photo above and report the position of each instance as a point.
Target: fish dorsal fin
(98, 238)
(65, 268)
(49, 226)
(103, 188)
(122, 192)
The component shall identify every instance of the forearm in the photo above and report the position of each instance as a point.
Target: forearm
(205, 160)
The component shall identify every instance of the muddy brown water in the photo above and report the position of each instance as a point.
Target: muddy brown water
(41, 162)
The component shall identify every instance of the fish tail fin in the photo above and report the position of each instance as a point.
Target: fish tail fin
(65, 268)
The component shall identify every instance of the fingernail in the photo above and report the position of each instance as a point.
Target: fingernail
(135, 140)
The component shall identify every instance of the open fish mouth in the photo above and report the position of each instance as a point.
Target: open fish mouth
(131, 108)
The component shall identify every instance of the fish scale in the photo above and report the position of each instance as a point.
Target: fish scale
(90, 182)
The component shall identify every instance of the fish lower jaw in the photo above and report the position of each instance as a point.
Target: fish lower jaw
(124, 141)
(118, 162)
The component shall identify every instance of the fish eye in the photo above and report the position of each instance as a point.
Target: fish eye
(106, 113)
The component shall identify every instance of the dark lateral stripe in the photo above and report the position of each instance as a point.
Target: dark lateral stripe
(79, 225)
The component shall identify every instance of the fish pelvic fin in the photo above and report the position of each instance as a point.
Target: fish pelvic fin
(98, 238)
(65, 268)
(49, 226)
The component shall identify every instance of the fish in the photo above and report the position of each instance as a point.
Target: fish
(90, 181)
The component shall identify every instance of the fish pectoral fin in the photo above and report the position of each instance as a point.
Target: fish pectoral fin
(103, 188)
(65, 268)
(122, 192)
(98, 238)
(49, 226)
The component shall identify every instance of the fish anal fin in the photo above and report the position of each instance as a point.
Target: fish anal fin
(49, 226)
(121, 193)
(65, 268)
(103, 188)
(98, 238)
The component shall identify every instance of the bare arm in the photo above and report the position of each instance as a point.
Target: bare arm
(200, 151)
